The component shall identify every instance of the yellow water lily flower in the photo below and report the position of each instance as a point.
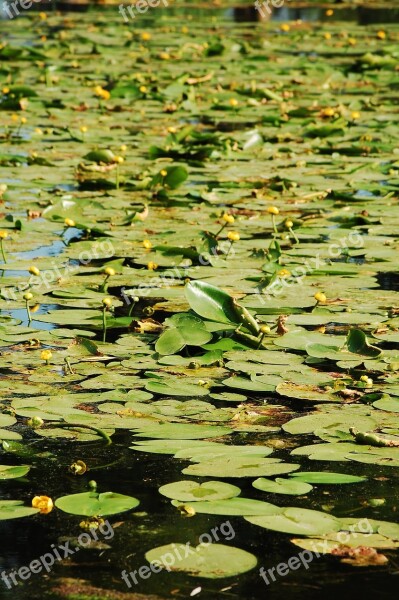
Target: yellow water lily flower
(99, 91)
(320, 297)
(43, 503)
(46, 355)
(34, 270)
(273, 210)
(283, 273)
(228, 218)
(233, 236)
(78, 467)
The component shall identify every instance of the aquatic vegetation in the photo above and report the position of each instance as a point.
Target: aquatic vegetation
(199, 240)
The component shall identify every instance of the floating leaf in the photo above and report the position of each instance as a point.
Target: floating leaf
(187, 491)
(298, 521)
(212, 561)
(240, 467)
(7, 472)
(14, 509)
(282, 486)
(326, 477)
(92, 504)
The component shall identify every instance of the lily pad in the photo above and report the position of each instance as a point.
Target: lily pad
(211, 561)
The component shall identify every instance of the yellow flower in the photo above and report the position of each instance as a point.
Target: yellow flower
(34, 270)
(264, 329)
(6, 90)
(38, 131)
(273, 210)
(99, 91)
(151, 266)
(143, 89)
(228, 218)
(147, 244)
(78, 467)
(69, 222)
(43, 503)
(355, 115)
(327, 35)
(35, 422)
(3, 234)
(119, 159)
(14, 117)
(367, 380)
(233, 236)
(145, 36)
(285, 27)
(320, 297)
(83, 128)
(163, 173)
(43, 16)
(171, 130)
(233, 102)
(381, 35)
(109, 271)
(23, 120)
(164, 56)
(327, 112)
(28, 296)
(329, 12)
(46, 355)
(352, 41)
(123, 148)
(283, 273)
(107, 302)
(289, 224)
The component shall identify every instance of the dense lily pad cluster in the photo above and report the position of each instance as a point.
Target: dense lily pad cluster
(199, 241)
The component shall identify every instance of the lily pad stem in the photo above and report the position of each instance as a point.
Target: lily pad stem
(99, 432)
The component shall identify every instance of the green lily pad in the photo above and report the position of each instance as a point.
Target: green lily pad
(298, 521)
(326, 477)
(231, 507)
(7, 472)
(282, 486)
(92, 504)
(212, 561)
(240, 467)
(15, 509)
(187, 491)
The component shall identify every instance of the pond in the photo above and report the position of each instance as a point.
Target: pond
(199, 317)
